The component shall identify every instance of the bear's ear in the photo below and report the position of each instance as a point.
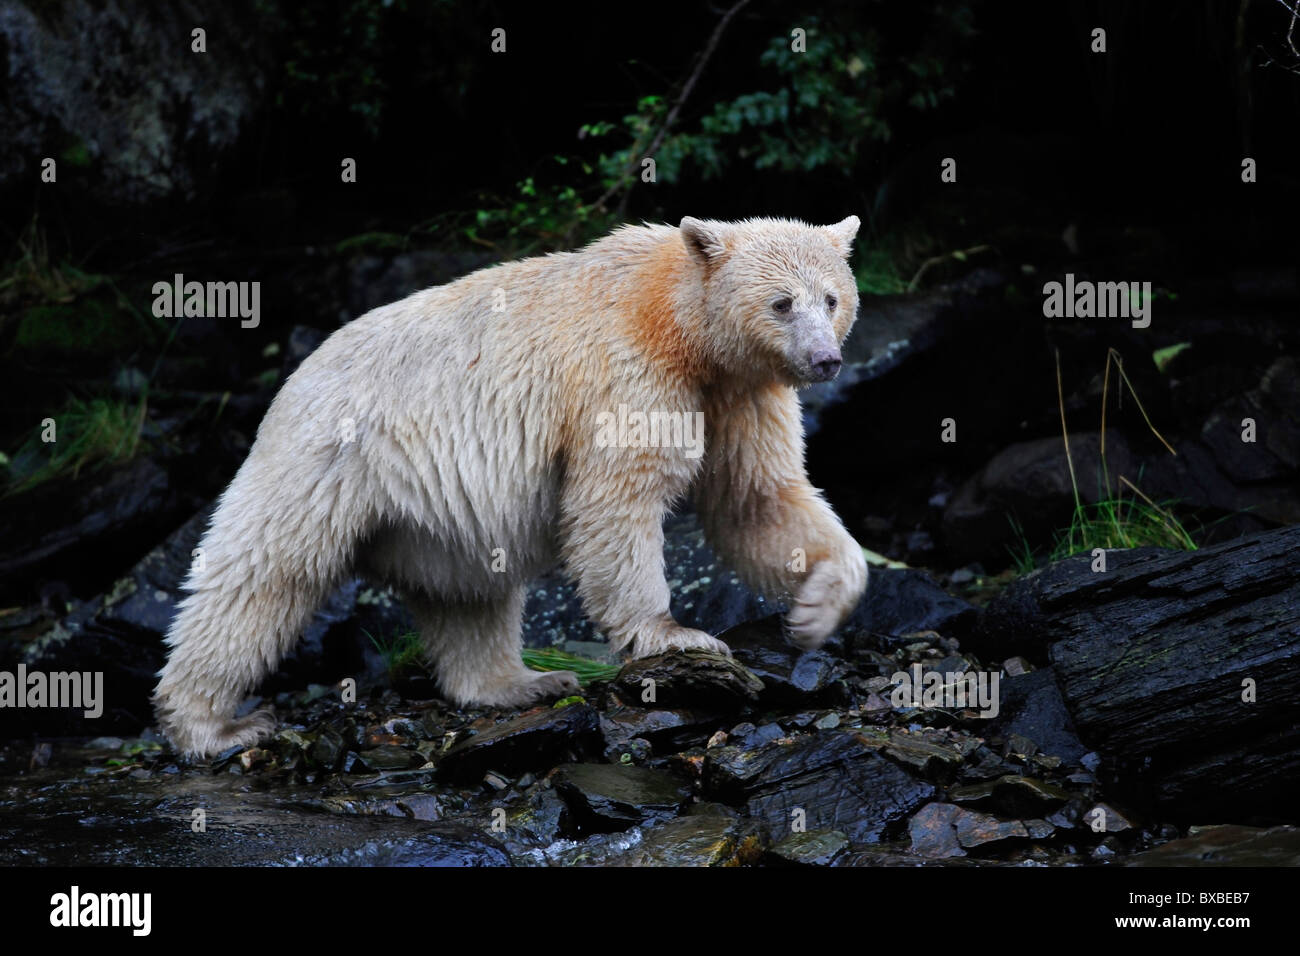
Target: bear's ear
(842, 235)
(703, 239)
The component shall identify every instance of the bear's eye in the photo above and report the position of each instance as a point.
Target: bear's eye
(782, 305)
(831, 302)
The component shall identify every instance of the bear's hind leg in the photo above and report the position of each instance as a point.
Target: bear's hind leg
(476, 645)
(224, 641)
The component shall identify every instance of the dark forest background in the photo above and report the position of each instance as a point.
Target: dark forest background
(226, 166)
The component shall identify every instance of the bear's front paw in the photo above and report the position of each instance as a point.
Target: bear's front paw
(677, 639)
(830, 594)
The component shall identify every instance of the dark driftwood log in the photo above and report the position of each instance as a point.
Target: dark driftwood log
(1152, 654)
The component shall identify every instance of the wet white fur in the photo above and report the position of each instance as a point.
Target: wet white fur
(428, 433)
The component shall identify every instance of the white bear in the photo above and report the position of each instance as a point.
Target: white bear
(456, 444)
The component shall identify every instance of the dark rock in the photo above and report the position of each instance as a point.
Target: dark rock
(894, 331)
(1012, 795)
(535, 821)
(115, 513)
(1104, 818)
(983, 765)
(1039, 829)
(899, 602)
(980, 829)
(410, 806)
(789, 675)
(670, 729)
(1275, 408)
(535, 741)
(814, 848)
(1226, 845)
(328, 750)
(75, 90)
(931, 754)
(707, 836)
(1178, 637)
(1016, 666)
(390, 757)
(1031, 706)
(604, 798)
(688, 679)
(933, 831)
(1031, 482)
(442, 844)
(833, 777)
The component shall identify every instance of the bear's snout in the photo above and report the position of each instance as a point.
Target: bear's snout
(825, 364)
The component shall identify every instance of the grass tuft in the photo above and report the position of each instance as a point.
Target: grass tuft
(87, 434)
(554, 659)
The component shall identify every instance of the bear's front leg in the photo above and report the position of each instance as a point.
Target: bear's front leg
(612, 543)
(769, 523)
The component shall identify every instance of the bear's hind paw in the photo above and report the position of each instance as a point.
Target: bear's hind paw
(531, 688)
(206, 738)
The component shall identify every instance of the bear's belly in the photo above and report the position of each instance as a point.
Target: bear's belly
(485, 556)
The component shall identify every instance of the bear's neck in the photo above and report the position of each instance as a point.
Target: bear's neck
(667, 316)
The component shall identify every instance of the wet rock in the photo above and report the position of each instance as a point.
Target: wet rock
(1031, 706)
(1016, 666)
(1180, 638)
(1226, 845)
(411, 806)
(603, 798)
(1104, 818)
(942, 830)
(662, 729)
(442, 844)
(981, 829)
(945, 830)
(699, 679)
(1039, 829)
(707, 836)
(1012, 795)
(933, 755)
(535, 741)
(933, 831)
(390, 757)
(328, 750)
(900, 602)
(830, 780)
(789, 675)
(534, 821)
(815, 848)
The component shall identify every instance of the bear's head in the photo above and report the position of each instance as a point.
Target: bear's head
(779, 297)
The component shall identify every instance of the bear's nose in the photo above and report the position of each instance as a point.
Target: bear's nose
(825, 364)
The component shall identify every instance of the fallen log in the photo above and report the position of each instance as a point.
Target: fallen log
(1182, 669)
